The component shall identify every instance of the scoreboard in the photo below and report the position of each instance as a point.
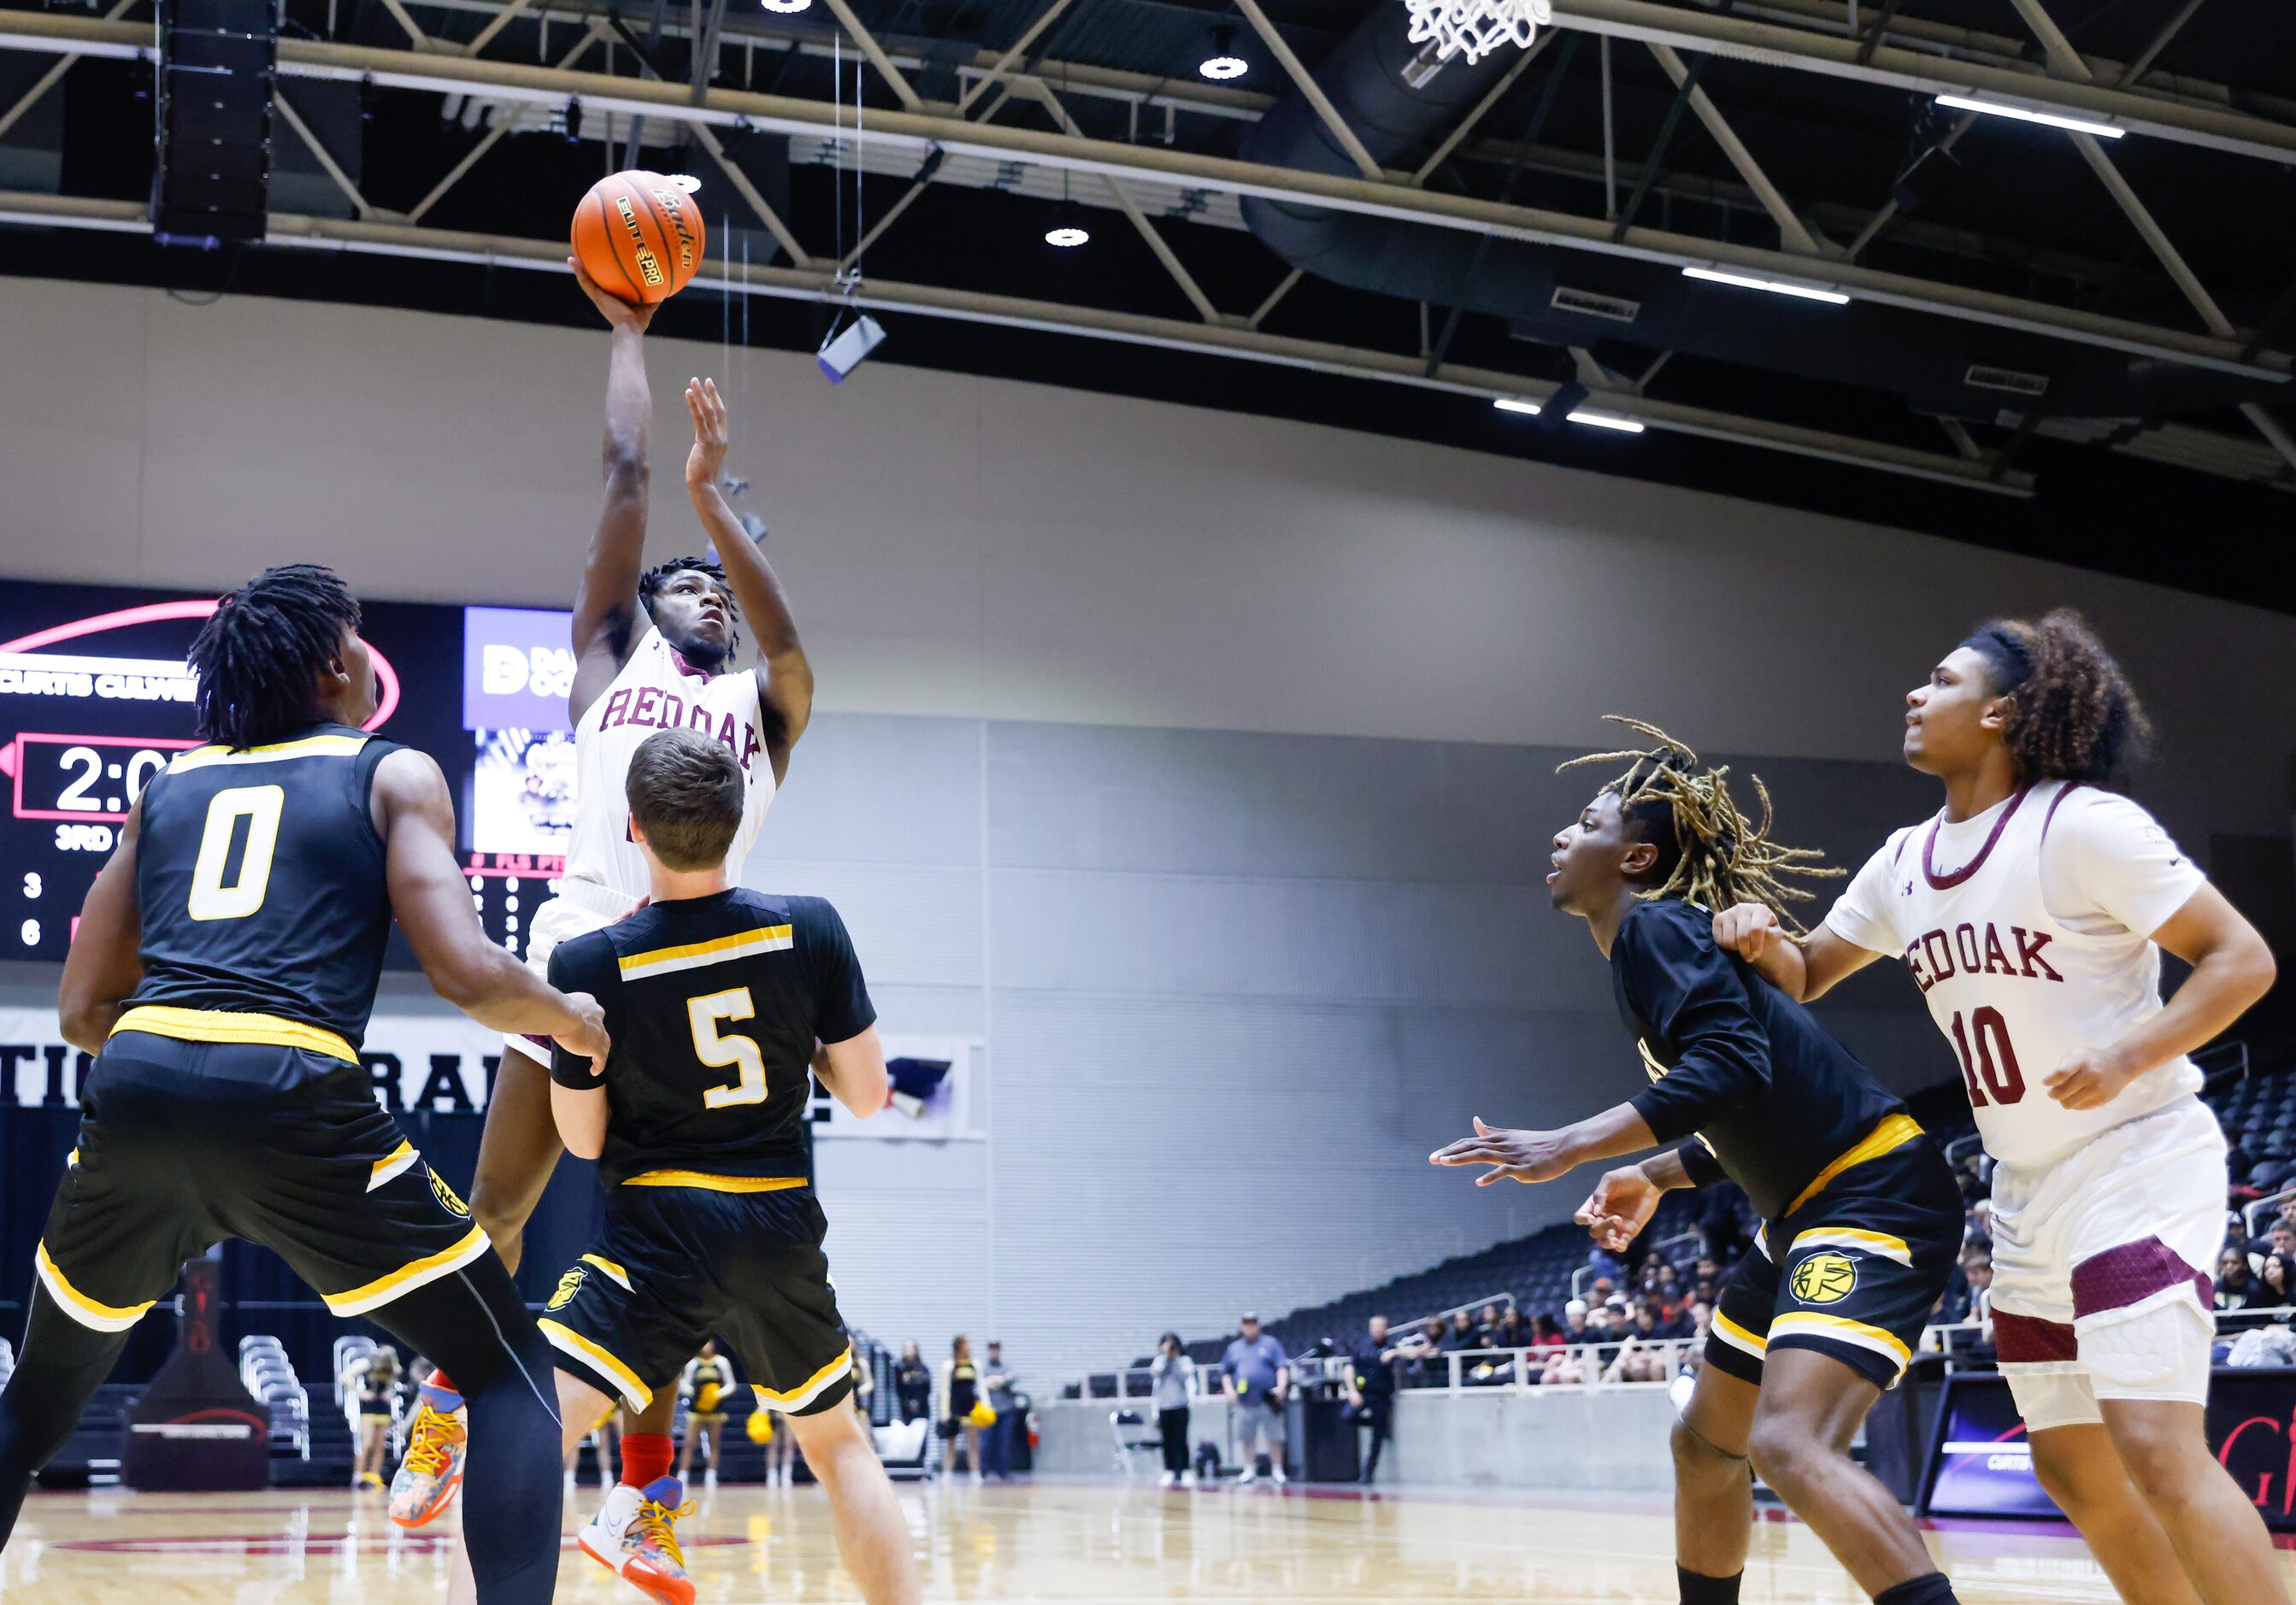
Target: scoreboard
(96, 699)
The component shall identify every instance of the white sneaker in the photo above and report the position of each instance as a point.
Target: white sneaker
(633, 1535)
(1187, 1479)
(710, 1478)
(1277, 1473)
(1170, 1479)
(789, 1477)
(1250, 1474)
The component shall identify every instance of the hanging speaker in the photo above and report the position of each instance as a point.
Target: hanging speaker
(217, 61)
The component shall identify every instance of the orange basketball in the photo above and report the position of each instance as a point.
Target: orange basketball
(639, 235)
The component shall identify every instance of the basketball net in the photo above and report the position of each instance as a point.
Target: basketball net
(1476, 26)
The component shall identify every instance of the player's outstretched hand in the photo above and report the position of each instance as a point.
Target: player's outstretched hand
(1520, 1156)
(711, 436)
(589, 1039)
(1746, 929)
(2088, 1078)
(1621, 1206)
(616, 311)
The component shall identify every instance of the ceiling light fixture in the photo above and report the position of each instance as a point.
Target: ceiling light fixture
(1607, 421)
(788, 8)
(1223, 63)
(1068, 236)
(1775, 286)
(1513, 403)
(2026, 115)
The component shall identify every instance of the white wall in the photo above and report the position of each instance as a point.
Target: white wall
(979, 547)
(1225, 979)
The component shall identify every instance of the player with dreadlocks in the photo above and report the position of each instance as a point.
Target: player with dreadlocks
(652, 651)
(2032, 910)
(222, 973)
(1861, 1215)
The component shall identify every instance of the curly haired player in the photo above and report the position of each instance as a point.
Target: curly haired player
(1862, 1217)
(2032, 910)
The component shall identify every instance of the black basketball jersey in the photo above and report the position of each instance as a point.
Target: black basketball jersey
(714, 1005)
(1769, 1095)
(259, 881)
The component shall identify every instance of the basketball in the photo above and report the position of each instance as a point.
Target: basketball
(639, 235)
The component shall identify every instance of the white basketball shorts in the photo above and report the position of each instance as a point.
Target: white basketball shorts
(578, 908)
(2101, 1267)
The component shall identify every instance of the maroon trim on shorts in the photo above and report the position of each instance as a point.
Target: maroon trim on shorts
(2131, 1273)
(1929, 847)
(2029, 1340)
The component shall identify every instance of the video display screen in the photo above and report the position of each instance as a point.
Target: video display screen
(96, 699)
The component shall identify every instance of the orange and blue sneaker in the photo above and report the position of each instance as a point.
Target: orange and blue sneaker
(635, 1536)
(432, 1471)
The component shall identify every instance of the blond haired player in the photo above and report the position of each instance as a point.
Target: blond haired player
(653, 650)
(2031, 912)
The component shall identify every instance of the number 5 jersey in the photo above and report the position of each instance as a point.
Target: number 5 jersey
(2029, 930)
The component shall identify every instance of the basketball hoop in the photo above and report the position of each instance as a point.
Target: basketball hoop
(1476, 26)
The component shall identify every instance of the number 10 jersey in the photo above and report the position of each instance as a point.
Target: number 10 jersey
(714, 1005)
(2027, 929)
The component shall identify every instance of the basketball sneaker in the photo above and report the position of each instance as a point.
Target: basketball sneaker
(634, 1536)
(432, 1471)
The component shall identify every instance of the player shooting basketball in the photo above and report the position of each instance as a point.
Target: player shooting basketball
(652, 651)
(1862, 1217)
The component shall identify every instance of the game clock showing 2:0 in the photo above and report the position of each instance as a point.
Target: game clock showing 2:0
(96, 700)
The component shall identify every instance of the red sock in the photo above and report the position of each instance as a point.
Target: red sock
(646, 1458)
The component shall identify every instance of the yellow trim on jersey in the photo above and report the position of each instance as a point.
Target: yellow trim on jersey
(1842, 1328)
(227, 1025)
(72, 1159)
(1738, 1336)
(621, 1277)
(1893, 1132)
(404, 1280)
(400, 1159)
(719, 950)
(1853, 1237)
(90, 1313)
(808, 1390)
(714, 1184)
(309, 745)
(566, 1340)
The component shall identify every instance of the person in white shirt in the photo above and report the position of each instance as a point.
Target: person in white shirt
(2031, 912)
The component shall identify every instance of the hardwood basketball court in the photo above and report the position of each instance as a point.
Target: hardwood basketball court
(1107, 1545)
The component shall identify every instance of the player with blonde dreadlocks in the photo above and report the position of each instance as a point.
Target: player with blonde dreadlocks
(1862, 1219)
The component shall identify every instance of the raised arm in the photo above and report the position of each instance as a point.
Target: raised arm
(105, 964)
(605, 607)
(432, 902)
(785, 676)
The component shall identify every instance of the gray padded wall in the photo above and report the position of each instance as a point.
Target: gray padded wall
(1234, 988)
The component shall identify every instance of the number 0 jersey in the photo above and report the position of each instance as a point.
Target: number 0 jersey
(714, 1005)
(259, 882)
(2024, 962)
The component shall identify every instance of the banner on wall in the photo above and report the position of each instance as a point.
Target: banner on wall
(448, 1063)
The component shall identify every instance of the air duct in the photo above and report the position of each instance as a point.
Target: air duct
(1383, 88)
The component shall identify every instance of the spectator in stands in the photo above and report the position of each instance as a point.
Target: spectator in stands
(1544, 1333)
(998, 1386)
(1371, 1388)
(1574, 1321)
(1173, 1377)
(1463, 1334)
(377, 1382)
(1486, 1326)
(2279, 1241)
(960, 1395)
(1562, 1367)
(913, 1383)
(1701, 1319)
(1509, 1331)
(1606, 1265)
(1979, 1231)
(1978, 1268)
(2272, 1285)
(2236, 1286)
(1256, 1372)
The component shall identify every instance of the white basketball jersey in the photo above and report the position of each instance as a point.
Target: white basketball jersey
(2013, 989)
(656, 689)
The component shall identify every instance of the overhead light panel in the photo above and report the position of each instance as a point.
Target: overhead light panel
(1068, 236)
(2024, 114)
(1607, 421)
(1807, 292)
(1512, 404)
(788, 8)
(1223, 63)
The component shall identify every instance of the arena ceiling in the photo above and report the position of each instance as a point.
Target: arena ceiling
(2072, 341)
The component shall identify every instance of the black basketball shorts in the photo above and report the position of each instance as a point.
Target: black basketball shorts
(184, 1143)
(680, 1264)
(1852, 1270)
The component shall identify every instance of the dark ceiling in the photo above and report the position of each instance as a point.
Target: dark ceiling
(2182, 489)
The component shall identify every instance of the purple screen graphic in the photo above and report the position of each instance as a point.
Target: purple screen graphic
(518, 666)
